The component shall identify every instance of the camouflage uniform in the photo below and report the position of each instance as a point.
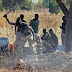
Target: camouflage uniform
(53, 40)
(45, 42)
(22, 32)
(21, 40)
(38, 42)
(22, 35)
(63, 35)
(46, 47)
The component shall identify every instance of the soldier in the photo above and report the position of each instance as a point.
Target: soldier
(45, 41)
(63, 27)
(34, 23)
(45, 35)
(23, 33)
(53, 40)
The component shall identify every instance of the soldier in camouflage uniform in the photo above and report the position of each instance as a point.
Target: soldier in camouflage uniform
(45, 35)
(23, 33)
(50, 41)
(45, 39)
(34, 23)
(53, 40)
(63, 27)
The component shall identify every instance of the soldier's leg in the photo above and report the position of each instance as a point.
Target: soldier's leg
(43, 46)
(39, 43)
(31, 44)
(46, 46)
(21, 46)
(18, 37)
(20, 42)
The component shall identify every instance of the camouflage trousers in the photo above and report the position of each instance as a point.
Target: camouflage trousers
(46, 47)
(21, 40)
(38, 42)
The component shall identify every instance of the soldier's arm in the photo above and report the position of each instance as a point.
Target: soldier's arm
(43, 37)
(30, 23)
(63, 7)
(8, 20)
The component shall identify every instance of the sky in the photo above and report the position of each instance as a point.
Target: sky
(35, 1)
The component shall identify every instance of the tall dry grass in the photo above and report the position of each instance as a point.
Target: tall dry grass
(46, 70)
(47, 20)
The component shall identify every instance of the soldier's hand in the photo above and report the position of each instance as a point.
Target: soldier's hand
(5, 16)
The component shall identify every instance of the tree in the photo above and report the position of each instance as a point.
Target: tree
(39, 5)
(52, 5)
(23, 4)
(68, 15)
(40, 1)
(8, 4)
(67, 3)
(1, 7)
(27, 5)
(46, 3)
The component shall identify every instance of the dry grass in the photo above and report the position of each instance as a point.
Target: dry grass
(47, 20)
(18, 70)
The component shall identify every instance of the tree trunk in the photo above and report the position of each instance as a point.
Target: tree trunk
(68, 15)
(69, 30)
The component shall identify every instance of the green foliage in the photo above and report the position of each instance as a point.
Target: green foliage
(27, 6)
(23, 4)
(1, 7)
(0, 1)
(6, 4)
(40, 1)
(20, 2)
(46, 3)
(11, 3)
(38, 5)
(52, 5)
(67, 3)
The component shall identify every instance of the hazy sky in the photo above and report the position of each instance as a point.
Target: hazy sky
(35, 1)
